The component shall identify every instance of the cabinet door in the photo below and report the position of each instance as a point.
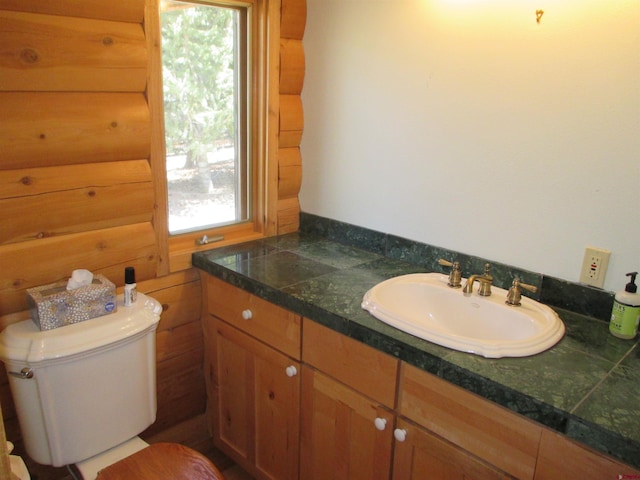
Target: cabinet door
(559, 457)
(422, 455)
(255, 403)
(345, 436)
(486, 430)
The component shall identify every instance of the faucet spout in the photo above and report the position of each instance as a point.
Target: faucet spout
(485, 280)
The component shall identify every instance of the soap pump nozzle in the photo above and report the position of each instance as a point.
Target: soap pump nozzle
(631, 287)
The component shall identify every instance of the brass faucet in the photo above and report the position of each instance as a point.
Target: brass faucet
(455, 276)
(485, 280)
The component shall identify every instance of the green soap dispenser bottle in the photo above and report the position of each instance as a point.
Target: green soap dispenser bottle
(626, 311)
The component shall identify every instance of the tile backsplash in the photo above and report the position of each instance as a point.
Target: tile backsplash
(579, 298)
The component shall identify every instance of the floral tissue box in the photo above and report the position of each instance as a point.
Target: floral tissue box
(54, 306)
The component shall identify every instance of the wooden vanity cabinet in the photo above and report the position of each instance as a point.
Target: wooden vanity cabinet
(291, 399)
(253, 388)
(348, 396)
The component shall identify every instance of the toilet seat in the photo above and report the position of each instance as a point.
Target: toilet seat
(163, 461)
(88, 469)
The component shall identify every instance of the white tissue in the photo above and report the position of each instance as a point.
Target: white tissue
(79, 278)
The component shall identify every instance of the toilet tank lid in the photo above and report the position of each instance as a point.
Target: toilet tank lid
(24, 342)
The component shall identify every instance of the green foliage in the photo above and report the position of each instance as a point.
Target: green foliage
(198, 44)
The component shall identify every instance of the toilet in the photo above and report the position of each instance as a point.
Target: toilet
(83, 392)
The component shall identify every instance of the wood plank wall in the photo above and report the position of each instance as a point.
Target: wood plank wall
(77, 187)
(75, 183)
(292, 68)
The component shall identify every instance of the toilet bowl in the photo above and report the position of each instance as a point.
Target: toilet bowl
(83, 392)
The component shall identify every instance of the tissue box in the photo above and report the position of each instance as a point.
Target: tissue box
(54, 306)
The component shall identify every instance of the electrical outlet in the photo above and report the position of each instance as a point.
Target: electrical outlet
(594, 266)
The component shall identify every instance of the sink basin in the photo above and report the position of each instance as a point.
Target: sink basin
(423, 305)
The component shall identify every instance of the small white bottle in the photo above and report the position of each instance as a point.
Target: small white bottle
(626, 311)
(130, 291)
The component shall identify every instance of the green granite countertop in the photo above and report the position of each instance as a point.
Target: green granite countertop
(587, 386)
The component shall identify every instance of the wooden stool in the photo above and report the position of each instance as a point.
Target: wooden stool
(162, 461)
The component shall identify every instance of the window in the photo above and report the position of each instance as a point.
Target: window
(205, 71)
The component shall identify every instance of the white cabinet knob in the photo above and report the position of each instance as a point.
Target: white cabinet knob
(380, 423)
(291, 370)
(247, 314)
(400, 434)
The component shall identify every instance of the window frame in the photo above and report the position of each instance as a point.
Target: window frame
(263, 24)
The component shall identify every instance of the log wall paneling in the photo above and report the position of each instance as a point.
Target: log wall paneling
(5, 395)
(290, 138)
(108, 251)
(73, 199)
(289, 163)
(288, 215)
(292, 66)
(291, 114)
(181, 393)
(129, 11)
(179, 350)
(290, 172)
(294, 19)
(41, 181)
(44, 129)
(292, 70)
(87, 55)
(193, 433)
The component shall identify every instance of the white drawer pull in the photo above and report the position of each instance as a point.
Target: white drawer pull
(247, 314)
(400, 434)
(292, 371)
(380, 423)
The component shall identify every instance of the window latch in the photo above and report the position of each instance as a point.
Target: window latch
(206, 240)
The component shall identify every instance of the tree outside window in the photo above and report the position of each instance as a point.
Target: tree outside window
(203, 99)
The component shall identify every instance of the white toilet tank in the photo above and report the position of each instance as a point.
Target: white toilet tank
(91, 385)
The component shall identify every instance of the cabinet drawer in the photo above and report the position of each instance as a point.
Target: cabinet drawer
(491, 432)
(265, 321)
(353, 363)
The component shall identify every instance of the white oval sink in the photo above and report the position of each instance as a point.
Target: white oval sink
(423, 305)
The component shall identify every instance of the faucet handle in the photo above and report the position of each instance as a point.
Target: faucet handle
(485, 281)
(514, 294)
(455, 276)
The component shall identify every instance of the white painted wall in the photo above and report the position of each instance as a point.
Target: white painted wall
(465, 124)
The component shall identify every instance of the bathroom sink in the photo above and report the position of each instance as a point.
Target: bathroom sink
(423, 305)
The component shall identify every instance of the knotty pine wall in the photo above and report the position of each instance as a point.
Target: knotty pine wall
(77, 186)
